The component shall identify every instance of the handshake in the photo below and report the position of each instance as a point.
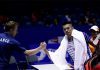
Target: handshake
(43, 45)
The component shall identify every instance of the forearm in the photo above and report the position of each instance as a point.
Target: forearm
(46, 51)
(32, 51)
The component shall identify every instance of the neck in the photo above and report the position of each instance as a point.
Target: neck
(70, 38)
(10, 33)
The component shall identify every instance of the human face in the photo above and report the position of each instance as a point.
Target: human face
(67, 29)
(94, 33)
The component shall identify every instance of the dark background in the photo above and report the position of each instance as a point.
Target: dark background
(23, 7)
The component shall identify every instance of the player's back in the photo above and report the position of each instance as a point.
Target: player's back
(6, 48)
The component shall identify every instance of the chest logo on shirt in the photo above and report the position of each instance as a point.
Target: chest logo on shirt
(4, 40)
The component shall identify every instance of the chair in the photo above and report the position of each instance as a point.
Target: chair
(13, 63)
(30, 61)
(22, 65)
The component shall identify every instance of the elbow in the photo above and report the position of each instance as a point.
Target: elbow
(28, 53)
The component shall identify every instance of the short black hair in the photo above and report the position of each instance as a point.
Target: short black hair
(66, 22)
(10, 25)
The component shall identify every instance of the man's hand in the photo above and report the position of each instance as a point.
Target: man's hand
(43, 45)
(71, 66)
(36, 50)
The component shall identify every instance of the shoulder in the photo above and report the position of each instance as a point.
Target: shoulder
(3, 38)
(14, 41)
(85, 34)
(87, 38)
(2, 34)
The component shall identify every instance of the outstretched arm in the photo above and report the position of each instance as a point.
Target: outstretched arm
(46, 51)
(35, 51)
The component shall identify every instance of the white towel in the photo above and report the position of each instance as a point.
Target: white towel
(58, 57)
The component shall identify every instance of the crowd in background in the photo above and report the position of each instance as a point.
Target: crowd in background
(48, 22)
(53, 17)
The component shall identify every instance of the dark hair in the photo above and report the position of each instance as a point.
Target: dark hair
(67, 22)
(10, 25)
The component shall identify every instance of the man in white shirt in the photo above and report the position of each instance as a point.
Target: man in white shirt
(73, 50)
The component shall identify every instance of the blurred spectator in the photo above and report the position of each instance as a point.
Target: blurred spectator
(92, 21)
(94, 30)
(3, 18)
(34, 18)
(94, 62)
(53, 41)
